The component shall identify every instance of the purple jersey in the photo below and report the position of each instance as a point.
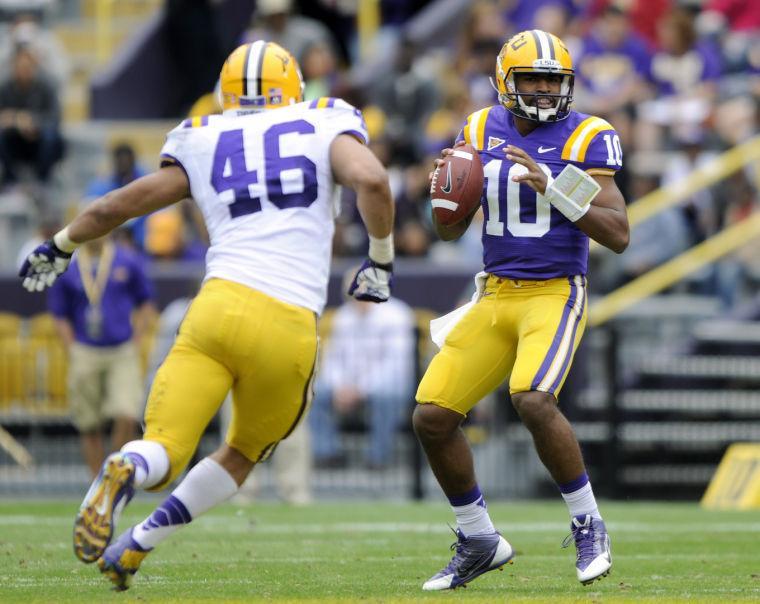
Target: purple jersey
(603, 69)
(524, 237)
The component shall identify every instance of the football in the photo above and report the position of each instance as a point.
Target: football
(457, 185)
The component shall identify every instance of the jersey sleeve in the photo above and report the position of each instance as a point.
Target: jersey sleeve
(339, 117)
(594, 146)
(474, 129)
(176, 148)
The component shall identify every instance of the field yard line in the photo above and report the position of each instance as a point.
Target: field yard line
(226, 524)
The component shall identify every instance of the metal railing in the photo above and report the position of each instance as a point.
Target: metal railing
(728, 240)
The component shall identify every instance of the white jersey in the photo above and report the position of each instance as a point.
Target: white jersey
(264, 184)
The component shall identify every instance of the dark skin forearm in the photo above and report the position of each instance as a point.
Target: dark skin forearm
(606, 221)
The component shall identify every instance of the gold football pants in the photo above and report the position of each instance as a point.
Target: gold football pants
(233, 338)
(525, 330)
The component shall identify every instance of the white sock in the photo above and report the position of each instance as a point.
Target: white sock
(472, 513)
(151, 462)
(582, 502)
(208, 484)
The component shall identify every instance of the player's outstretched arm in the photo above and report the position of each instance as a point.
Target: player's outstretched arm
(355, 166)
(142, 196)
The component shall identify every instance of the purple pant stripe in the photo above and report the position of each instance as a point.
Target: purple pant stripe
(569, 355)
(557, 337)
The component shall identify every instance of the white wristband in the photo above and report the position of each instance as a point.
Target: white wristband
(63, 242)
(381, 249)
(572, 192)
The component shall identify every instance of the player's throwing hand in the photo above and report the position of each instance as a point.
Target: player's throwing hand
(42, 267)
(535, 177)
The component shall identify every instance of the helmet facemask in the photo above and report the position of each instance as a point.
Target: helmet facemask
(512, 100)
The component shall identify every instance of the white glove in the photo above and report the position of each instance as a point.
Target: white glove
(42, 267)
(372, 282)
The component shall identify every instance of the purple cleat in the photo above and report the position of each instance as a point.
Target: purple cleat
(592, 545)
(121, 560)
(474, 556)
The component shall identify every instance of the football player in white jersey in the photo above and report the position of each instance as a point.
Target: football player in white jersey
(263, 175)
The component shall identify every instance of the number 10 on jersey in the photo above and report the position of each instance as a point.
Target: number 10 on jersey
(494, 189)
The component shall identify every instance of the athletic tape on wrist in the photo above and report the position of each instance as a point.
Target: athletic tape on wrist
(381, 249)
(64, 242)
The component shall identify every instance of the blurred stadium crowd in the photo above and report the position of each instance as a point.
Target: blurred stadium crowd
(679, 79)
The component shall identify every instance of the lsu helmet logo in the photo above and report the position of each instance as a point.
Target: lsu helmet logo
(534, 51)
(260, 75)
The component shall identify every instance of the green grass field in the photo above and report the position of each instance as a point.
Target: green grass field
(383, 552)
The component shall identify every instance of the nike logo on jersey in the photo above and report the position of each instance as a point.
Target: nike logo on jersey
(447, 187)
(546, 150)
(494, 142)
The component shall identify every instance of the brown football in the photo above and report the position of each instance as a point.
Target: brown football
(457, 185)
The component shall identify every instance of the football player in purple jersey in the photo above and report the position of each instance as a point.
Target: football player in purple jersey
(548, 187)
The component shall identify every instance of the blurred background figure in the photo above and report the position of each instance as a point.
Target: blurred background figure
(366, 371)
(26, 30)
(29, 120)
(122, 170)
(679, 80)
(277, 21)
(103, 306)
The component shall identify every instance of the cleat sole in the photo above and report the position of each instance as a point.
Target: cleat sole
(94, 526)
(597, 578)
(120, 582)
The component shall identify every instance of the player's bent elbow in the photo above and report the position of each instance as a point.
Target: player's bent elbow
(621, 242)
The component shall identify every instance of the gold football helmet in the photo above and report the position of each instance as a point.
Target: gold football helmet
(260, 75)
(535, 51)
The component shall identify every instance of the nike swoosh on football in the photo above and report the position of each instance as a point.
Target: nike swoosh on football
(447, 187)
(546, 150)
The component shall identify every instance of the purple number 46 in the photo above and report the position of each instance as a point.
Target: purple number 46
(229, 171)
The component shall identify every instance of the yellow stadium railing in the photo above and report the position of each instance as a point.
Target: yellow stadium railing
(666, 197)
(103, 30)
(367, 24)
(674, 270)
(721, 244)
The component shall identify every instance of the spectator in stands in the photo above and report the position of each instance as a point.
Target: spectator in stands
(521, 14)
(29, 120)
(735, 272)
(408, 95)
(27, 31)
(614, 69)
(103, 306)
(368, 360)
(479, 42)
(320, 71)
(413, 233)
(123, 170)
(274, 21)
(685, 71)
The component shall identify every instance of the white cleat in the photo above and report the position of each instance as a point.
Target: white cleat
(592, 545)
(474, 556)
